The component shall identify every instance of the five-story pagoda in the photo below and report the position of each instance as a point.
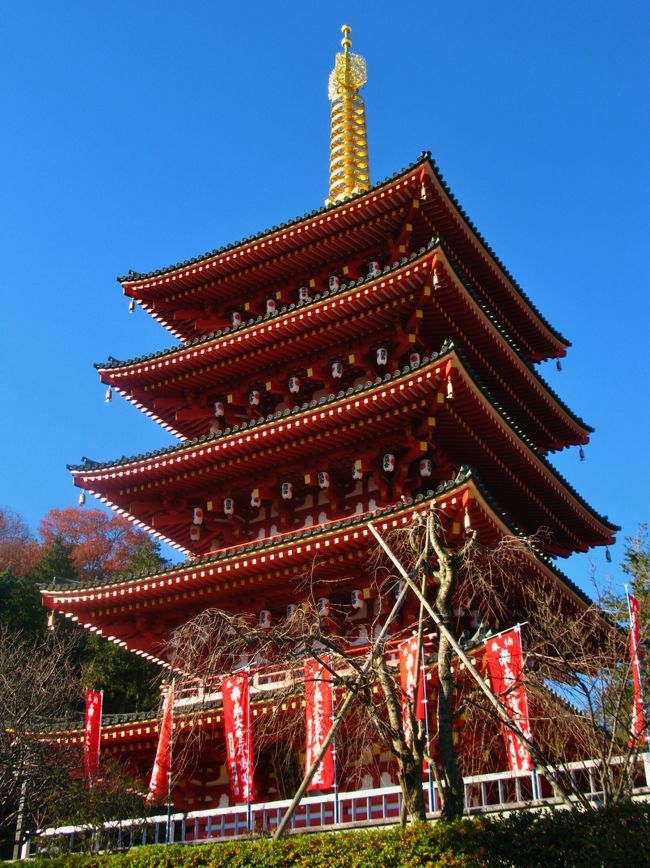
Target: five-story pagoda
(367, 359)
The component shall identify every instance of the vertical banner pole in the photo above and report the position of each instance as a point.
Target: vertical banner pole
(249, 808)
(636, 675)
(337, 818)
(425, 702)
(168, 829)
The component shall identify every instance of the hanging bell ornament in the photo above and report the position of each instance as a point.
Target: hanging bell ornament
(558, 365)
(467, 524)
(108, 397)
(581, 453)
(132, 305)
(450, 389)
(82, 498)
(608, 556)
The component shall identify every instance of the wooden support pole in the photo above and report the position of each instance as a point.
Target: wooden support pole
(345, 707)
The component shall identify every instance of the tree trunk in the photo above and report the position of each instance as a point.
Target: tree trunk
(454, 794)
(410, 780)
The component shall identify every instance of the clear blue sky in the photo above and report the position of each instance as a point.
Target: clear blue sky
(138, 134)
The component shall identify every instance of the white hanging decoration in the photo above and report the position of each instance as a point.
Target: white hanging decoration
(82, 498)
(436, 280)
(294, 385)
(195, 533)
(426, 467)
(357, 469)
(256, 500)
(287, 490)
(388, 462)
(228, 506)
(219, 409)
(414, 359)
(323, 479)
(382, 356)
(337, 370)
(271, 305)
(197, 515)
(108, 397)
(356, 599)
(235, 318)
(292, 608)
(264, 619)
(334, 282)
(303, 294)
(132, 305)
(467, 523)
(323, 607)
(374, 269)
(254, 397)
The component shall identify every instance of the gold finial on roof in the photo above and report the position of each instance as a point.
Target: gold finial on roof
(349, 172)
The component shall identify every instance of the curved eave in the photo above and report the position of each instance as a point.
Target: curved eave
(250, 568)
(143, 731)
(450, 219)
(133, 378)
(486, 431)
(501, 291)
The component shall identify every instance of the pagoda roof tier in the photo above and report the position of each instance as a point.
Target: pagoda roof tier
(424, 298)
(140, 612)
(409, 410)
(309, 243)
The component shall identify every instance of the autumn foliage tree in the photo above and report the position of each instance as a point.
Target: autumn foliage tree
(19, 551)
(99, 544)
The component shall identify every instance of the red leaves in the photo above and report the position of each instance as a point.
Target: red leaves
(99, 544)
(18, 550)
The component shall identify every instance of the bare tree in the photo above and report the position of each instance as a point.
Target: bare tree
(572, 653)
(38, 684)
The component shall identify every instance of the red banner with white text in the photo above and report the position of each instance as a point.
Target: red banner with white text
(159, 783)
(92, 734)
(239, 737)
(637, 730)
(410, 673)
(318, 716)
(505, 665)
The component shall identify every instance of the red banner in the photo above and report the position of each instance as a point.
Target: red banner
(409, 667)
(159, 783)
(505, 665)
(637, 730)
(318, 715)
(239, 737)
(92, 734)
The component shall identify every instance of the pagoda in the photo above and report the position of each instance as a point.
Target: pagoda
(368, 359)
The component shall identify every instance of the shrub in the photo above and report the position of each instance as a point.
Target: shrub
(612, 836)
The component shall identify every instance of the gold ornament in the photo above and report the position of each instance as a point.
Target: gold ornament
(349, 169)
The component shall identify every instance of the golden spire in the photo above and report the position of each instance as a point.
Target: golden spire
(348, 142)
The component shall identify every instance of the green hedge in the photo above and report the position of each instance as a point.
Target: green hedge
(609, 837)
